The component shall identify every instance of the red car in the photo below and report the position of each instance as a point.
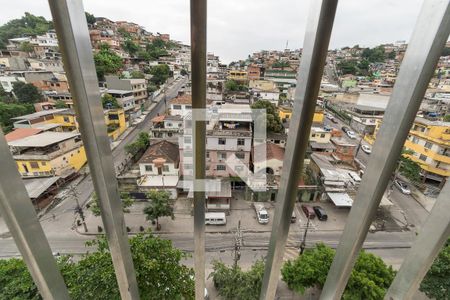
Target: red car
(308, 211)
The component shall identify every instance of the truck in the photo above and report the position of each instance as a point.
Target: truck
(261, 213)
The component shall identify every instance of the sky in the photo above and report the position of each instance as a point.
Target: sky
(237, 28)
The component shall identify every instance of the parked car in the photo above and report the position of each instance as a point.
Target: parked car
(351, 134)
(327, 128)
(293, 217)
(329, 116)
(261, 213)
(320, 213)
(402, 186)
(345, 129)
(308, 211)
(334, 120)
(366, 149)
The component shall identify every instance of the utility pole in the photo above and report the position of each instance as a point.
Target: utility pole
(79, 209)
(303, 243)
(237, 245)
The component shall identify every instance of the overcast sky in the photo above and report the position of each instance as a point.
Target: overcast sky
(237, 28)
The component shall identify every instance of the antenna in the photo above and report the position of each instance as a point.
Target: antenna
(287, 44)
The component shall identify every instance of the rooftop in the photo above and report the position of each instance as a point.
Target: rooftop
(431, 122)
(184, 99)
(162, 149)
(272, 152)
(39, 114)
(21, 133)
(43, 139)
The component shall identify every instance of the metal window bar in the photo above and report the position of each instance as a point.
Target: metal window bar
(428, 39)
(430, 240)
(20, 217)
(74, 41)
(198, 62)
(318, 32)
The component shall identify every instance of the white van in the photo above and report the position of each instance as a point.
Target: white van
(215, 218)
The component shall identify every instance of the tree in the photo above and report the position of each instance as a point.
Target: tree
(26, 92)
(159, 273)
(28, 25)
(348, 66)
(160, 206)
(232, 85)
(233, 283)
(60, 104)
(90, 18)
(139, 145)
(436, 284)
(446, 118)
(26, 47)
(124, 197)
(409, 168)
(109, 102)
(373, 55)
(106, 62)
(160, 74)
(130, 47)
(137, 74)
(280, 64)
(12, 110)
(369, 279)
(273, 121)
(183, 72)
(4, 96)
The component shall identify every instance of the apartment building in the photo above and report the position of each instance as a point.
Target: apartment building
(237, 75)
(284, 79)
(126, 101)
(137, 86)
(253, 72)
(48, 154)
(166, 127)
(430, 142)
(181, 105)
(364, 118)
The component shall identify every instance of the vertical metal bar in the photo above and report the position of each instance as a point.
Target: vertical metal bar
(318, 32)
(73, 37)
(20, 216)
(198, 62)
(430, 240)
(430, 34)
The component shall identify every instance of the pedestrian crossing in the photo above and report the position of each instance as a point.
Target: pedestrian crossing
(292, 248)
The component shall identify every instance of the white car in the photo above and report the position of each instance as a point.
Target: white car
(403, 187)
(329, 116)
(366, 149)
(351, 134)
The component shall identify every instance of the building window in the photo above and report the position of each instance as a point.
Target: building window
(165, 168)
(148, 168)
(177, 107)
(66, 119)
(188, 154)
(240, 155)
(222, 141)
(423, 157)
(187, 139)
(240, 142)
(207, 154)
(313, 135)
(221, 168)
(322, 135)
(43, 163)
(428, 145)
(34, 165)
(415, 140)
(188, 107)
(222, 155)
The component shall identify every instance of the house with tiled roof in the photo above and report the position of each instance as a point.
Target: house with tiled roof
(159, 168)
(270, 163)
(180, 105)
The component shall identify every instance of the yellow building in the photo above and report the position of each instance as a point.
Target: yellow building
(48, 154)
(430, 142)
(116, 123)
(237, 75)
(66, 118)
(285, 113)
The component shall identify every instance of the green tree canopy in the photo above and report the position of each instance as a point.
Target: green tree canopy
(160, 205)
(446, 118)
(107, 62)
(12, 110)
(436, 284)
(234, 283)
(26, 92)
(409, 168)
(139, 145)
(183, 72)
(4, 96)
(109, 102)
(234, 86)
(124, 197)
(159, 273)
(280, 64)
(369, 279)
(376, 54)
(26, 47)
(273, 121)
(60, 104)
(130, 47)
(137, 74)
(90, 18)
(160, 74)
(28, 25)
